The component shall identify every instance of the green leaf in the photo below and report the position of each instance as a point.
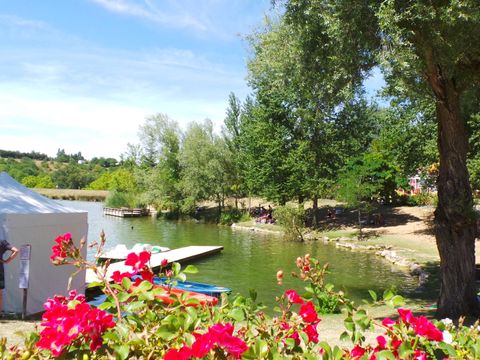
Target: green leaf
(373, 295)
(106, 305)
(134, 306)
(190, 269)
(144, 286)
(387, 295)
(123, 296)
(447, 348)
(95, 284)
(176, 268)
(122, 351)
(126, 283)
(290, 343)
(397, 301)
(384, 355)
(166, 334)
(237, 314)
(261, 348)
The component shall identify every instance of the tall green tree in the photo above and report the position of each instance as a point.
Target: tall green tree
(158, 158)
(431, 50)
(311, 123)
(204, 165)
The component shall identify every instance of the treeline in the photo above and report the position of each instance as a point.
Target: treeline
(19, 155)
(65, 171)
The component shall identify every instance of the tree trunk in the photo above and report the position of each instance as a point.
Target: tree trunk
(315, 211)
(454, 216)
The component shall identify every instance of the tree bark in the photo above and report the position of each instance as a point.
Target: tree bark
(315, 211)
(454, 216)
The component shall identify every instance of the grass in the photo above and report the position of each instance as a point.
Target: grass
(74, 194)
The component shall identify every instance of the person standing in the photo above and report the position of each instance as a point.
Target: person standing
(5, 247)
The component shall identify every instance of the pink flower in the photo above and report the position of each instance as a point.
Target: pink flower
(138, 261)
(308, 313)
(164, 262)
(387, 322)
(293, 297)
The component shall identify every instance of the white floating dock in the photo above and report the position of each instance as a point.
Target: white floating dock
(180, 255)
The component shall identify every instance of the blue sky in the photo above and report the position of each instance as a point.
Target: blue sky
(84, 74)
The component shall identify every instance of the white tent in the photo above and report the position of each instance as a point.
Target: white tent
(28, 218)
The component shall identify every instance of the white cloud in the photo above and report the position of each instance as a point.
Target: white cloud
(149, 11)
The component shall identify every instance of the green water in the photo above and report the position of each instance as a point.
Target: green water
(249, 260)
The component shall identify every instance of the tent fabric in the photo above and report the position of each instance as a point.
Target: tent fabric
(17, 199)
(28, 218)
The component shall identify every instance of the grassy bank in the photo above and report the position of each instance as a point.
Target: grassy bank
(74, 194)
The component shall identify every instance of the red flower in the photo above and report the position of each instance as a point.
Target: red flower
(147, 275)
(357, 352)
(308, 313)
(293, 297)
(382, 342)
(184, 353)
(59, 251)
(117, 276)
(312, 333)
(72, 320)
(202, 345)
(406, 316)
(419, 355)
(424, 327)
(137, 261)
(164, 262)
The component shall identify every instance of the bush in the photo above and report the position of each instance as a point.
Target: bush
(422, 199)
(118, 199)
(292, 219)
(232, 215)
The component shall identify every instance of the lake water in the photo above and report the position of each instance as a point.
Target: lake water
(249, 260)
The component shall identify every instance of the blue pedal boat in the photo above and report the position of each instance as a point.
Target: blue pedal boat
(207, 289)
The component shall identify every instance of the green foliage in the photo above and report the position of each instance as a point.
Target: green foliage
(121, 180)
(422, 199)
(231, 216)
(118, 199)
(292, 220)
(40, 181)
(369, 178)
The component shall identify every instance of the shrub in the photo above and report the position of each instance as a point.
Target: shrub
(118, 199)
(292, 219)
(232, 215)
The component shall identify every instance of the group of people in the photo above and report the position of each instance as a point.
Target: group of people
(265, 216)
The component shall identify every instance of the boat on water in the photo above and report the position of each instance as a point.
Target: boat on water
(121, 251)
(170, 296)
(207, 289)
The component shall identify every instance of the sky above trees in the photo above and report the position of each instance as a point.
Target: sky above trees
(83, 75)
